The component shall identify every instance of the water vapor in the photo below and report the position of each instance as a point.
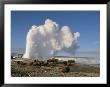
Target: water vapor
(46, 40)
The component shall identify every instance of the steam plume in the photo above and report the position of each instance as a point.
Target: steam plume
(46, 40)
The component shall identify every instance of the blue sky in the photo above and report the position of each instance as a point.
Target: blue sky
(85, 22)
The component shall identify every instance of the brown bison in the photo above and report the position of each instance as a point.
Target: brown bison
(70, 62)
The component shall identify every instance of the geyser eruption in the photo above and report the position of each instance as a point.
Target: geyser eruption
(46, 40)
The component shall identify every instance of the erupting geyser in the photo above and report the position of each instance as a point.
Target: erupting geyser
(46, 40)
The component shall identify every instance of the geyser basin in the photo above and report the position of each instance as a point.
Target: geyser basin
(46, 40)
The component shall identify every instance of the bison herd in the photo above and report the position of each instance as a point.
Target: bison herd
(50, 63)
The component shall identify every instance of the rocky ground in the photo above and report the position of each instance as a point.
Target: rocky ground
(77, 70)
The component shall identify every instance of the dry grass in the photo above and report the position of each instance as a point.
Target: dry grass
(29, 68)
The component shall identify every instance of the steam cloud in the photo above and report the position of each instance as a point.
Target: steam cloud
(46, 40)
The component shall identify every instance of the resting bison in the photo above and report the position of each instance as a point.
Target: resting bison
(38, 63)
(21, 63)
(53, 60)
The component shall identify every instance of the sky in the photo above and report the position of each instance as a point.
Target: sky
(85, 22)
